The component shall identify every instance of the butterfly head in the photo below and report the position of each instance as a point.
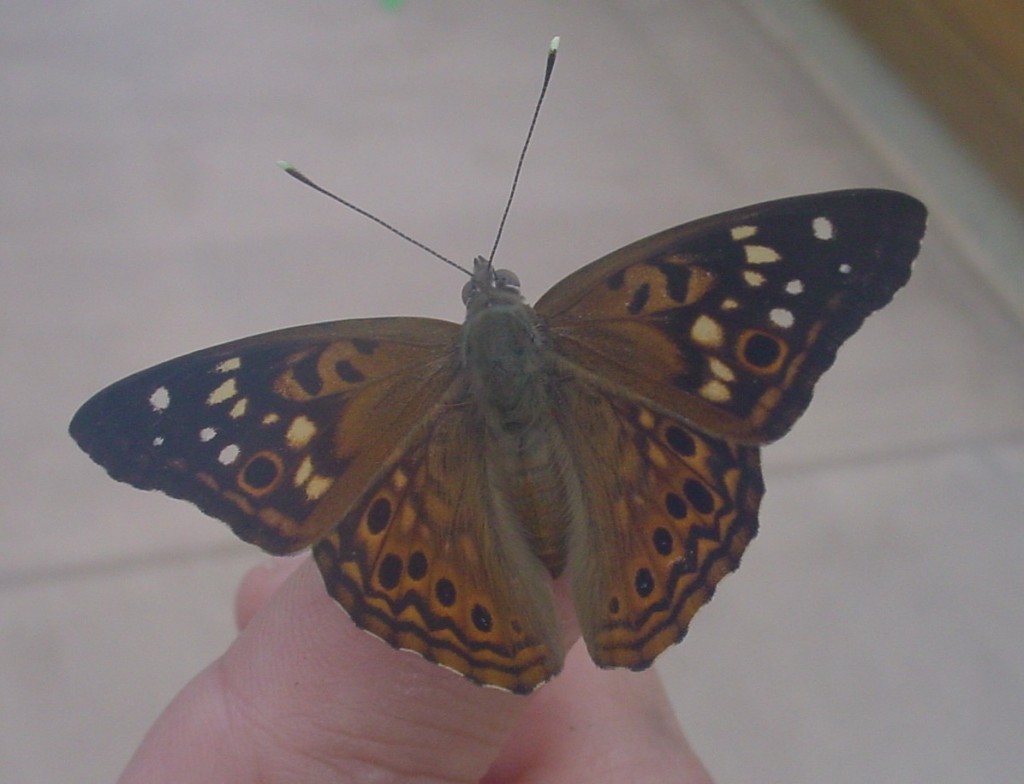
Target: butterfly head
(488, 287)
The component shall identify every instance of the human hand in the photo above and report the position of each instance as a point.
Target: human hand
(304, 695)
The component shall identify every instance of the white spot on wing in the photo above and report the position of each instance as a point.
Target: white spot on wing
(225, 391)
(823, 228)
(238, 409)
(721, 370)
(228, 365)
(160, 399)
(300, 432)
(158, 441)
(715, 391)
(229, 454)
(304, 471)
(781, 317)
(743, 232)
(207, 433)
(760, 254)
(317, 486)
(753, 278)
(845, 269)
(707, 331)
(795, 287)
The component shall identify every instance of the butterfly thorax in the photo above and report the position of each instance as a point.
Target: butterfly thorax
(510, 368)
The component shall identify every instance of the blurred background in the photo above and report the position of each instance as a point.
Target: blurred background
(875, 631)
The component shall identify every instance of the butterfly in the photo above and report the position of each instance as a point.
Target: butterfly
(444, 474)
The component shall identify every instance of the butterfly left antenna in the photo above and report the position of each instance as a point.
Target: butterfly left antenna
(552, 52)
(306, 181)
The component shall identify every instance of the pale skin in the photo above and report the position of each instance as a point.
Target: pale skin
(304, 695)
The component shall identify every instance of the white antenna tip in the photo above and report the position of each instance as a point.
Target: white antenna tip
(553, 46)
(285, 165)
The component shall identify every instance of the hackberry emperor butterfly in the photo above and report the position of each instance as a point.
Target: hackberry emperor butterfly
(442, 475)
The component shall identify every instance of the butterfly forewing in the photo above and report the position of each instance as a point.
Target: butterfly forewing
(730, 320)
(277, 434)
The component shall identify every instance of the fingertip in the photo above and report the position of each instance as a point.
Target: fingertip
(332, 691)
(260, 583)
(589, 724)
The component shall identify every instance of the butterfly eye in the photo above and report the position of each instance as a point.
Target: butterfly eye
(506, 279)
(469, 291)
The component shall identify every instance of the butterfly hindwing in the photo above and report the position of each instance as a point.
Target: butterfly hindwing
(430, 562)
(730, 320)
(269, 433)
(669, 513)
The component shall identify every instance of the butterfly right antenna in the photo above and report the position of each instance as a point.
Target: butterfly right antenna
(552, 51)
